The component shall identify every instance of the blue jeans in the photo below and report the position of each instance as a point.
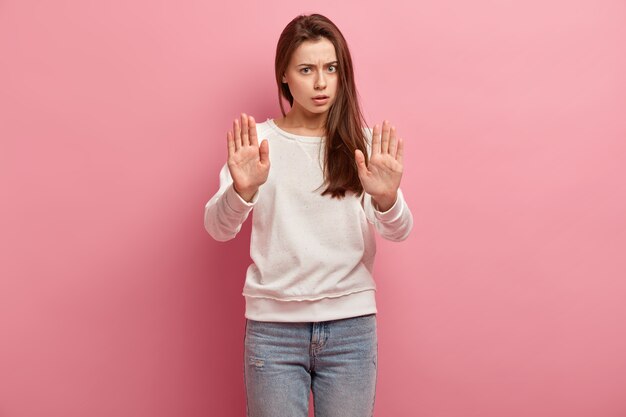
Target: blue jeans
(336, 359)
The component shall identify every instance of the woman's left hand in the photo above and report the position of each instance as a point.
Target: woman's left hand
(381, 178)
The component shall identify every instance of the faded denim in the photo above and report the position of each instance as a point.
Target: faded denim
(335, 359)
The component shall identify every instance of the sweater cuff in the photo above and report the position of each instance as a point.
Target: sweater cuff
(394, 211)
(238, 204)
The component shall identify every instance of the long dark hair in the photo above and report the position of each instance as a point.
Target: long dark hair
(345, 121)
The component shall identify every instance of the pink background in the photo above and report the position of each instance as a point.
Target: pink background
(506, 300)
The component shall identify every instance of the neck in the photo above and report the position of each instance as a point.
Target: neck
(299, 118)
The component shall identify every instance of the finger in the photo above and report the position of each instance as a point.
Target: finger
(360, 162)
(400, 151)
(245, 138)
(376, 140)
(254, 141)
(231, 143)
(384, 146)
(237, 131)
(393, 142)
(264, 152)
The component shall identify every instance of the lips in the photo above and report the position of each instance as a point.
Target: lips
(320, 100)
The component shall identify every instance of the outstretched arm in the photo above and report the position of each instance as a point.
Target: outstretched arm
(246, 169)
(384, 201)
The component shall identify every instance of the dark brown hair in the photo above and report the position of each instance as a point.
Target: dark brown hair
(345, 121)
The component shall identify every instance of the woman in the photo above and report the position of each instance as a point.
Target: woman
(327, 185)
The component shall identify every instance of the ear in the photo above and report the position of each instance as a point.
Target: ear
(284, 80)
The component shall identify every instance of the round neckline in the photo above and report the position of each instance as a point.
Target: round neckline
(301, 138)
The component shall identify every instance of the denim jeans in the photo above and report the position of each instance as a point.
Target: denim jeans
(336, 359)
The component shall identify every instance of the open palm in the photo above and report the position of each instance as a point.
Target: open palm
(381, 177)
(248, 162)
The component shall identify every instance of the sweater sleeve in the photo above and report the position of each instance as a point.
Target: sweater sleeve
(226, 211)
(394, 224)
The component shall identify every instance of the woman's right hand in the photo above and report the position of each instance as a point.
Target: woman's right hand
(248, 163)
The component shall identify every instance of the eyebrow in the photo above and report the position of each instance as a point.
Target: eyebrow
(312, 65)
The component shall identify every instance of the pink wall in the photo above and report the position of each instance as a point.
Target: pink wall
(507, 300)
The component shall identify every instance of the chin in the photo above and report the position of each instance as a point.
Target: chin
(319, 110)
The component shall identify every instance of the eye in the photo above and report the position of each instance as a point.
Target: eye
(331, 68)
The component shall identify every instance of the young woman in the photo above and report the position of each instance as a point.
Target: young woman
(327, 185)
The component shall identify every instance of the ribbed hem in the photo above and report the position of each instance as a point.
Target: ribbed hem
(323, 309)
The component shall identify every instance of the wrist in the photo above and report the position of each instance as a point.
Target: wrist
(385, 201)
(245, 193)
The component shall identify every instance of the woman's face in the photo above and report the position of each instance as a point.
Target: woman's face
(312, 72)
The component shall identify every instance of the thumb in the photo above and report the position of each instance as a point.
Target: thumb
(264, 152)
(360, 161)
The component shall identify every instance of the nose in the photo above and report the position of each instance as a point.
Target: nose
(320, 82)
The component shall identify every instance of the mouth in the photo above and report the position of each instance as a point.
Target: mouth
(321, 99)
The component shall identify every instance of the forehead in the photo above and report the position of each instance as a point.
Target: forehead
(313, 52)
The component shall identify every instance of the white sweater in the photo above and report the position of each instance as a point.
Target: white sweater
(312, 256)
